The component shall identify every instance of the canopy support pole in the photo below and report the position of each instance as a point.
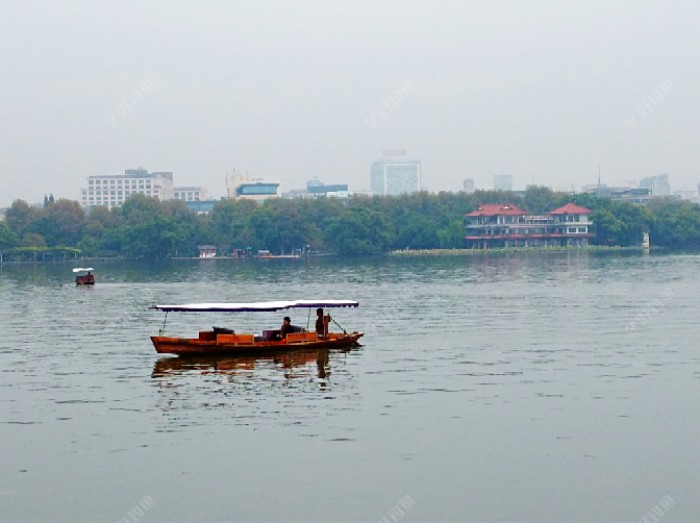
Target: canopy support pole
(162, 329)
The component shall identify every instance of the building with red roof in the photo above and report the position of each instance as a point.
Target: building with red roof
(497, 209)
(504, 225)
(570, 208)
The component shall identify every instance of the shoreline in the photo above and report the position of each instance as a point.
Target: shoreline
(394, 253)
(509, 250)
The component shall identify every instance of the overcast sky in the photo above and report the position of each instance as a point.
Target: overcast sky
(542, 90)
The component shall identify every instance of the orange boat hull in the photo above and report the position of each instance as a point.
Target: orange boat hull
(211, 344)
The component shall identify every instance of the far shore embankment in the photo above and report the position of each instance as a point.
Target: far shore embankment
(508, 250)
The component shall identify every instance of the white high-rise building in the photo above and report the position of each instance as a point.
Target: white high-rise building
(394, 176)
(502, 182)
(111, 190)
(468, 185)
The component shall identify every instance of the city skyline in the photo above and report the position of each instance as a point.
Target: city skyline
(543, 91)
(192, 192)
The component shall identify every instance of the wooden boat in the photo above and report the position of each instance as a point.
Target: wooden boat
(84, 279)
(224, 341)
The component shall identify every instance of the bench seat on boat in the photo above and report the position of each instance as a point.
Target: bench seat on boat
(235, 339)
(301, 336)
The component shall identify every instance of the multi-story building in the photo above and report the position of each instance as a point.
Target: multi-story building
(111, 190)
(393, 177)
(659, 185)
(468, 185)
(190, 194)
(684, 193)
(243, 186)
(504, 225)
(316, 187)
(502, 182)
(641, 195)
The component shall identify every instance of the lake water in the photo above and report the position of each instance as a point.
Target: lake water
(529, 387)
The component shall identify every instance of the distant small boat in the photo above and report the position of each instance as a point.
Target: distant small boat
(84, 279)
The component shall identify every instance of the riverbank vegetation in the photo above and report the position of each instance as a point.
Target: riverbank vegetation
(145, 227)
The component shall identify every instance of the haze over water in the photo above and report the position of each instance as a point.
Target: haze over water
(530, 387)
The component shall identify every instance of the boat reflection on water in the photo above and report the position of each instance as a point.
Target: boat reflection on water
(292, 364)
(253, 390)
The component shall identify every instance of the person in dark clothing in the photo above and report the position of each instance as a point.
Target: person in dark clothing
(286, 327)
(320, 326)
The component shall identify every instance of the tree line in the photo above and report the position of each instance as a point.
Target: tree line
(146, 227)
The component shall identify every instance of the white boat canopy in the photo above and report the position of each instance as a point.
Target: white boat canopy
(80, 269)
(261, 306)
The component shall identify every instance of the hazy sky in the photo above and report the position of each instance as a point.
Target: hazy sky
(542, 90)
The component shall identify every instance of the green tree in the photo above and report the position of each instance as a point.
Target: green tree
(452, 235)
(319, 213)
(293, 230)
(61, 223)
(138, 208)
(152, 229)
(8, 239)
(187, 232)
(32, 239)
(230, 224)
(619, 223)
(609, 229)
(100, 219)
(20, 216)
(112, 240)
(538, 200)
(360, 231)
(675, 224)
(89, 247)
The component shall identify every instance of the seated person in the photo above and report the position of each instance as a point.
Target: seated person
(286, 327)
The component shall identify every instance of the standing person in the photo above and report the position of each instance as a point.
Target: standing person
(286, 327)
(320, 324)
